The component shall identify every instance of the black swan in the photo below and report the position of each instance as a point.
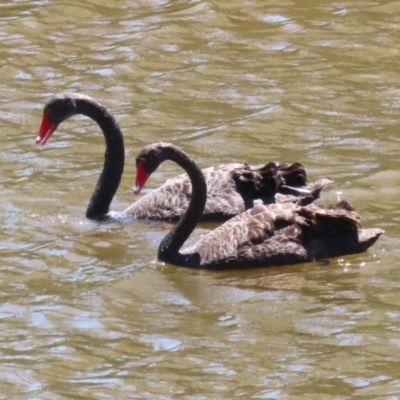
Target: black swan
(263, 236)
(231, 187)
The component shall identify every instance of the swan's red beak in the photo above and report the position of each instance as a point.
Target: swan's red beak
(45, 131)
(141, 178)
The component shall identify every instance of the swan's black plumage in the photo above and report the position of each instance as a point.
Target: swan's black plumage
(265, 235)
(65, 105)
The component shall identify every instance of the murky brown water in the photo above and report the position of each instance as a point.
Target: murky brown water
(86, 311)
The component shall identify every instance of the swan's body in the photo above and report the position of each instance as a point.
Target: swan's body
(265, 235)
(231, 187)
(259, 238)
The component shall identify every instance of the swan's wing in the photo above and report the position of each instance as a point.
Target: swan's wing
(317, 233)
(281, 249)
(227, 186)
(281, 183)
(279, 234)
(293, 174)
(257, 182)
(264, 181)
(170, 200)
(223, 201)
(335, 219)
(247, 229)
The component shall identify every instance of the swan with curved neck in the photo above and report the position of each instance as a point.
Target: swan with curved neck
(231, 187)
(147, 161)
(66, 105)
(262, 236)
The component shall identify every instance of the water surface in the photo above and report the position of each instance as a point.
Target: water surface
(87, 311)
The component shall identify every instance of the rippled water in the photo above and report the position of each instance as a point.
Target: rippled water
(86, 310)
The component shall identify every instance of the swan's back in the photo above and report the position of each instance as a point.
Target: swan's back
(228, 188)
(170, 200)
(284, 234)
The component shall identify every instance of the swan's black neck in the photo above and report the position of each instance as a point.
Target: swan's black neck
(168, 250)
(114, 159)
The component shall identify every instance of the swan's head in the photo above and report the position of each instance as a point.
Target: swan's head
(148, 160)
(57, 109)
